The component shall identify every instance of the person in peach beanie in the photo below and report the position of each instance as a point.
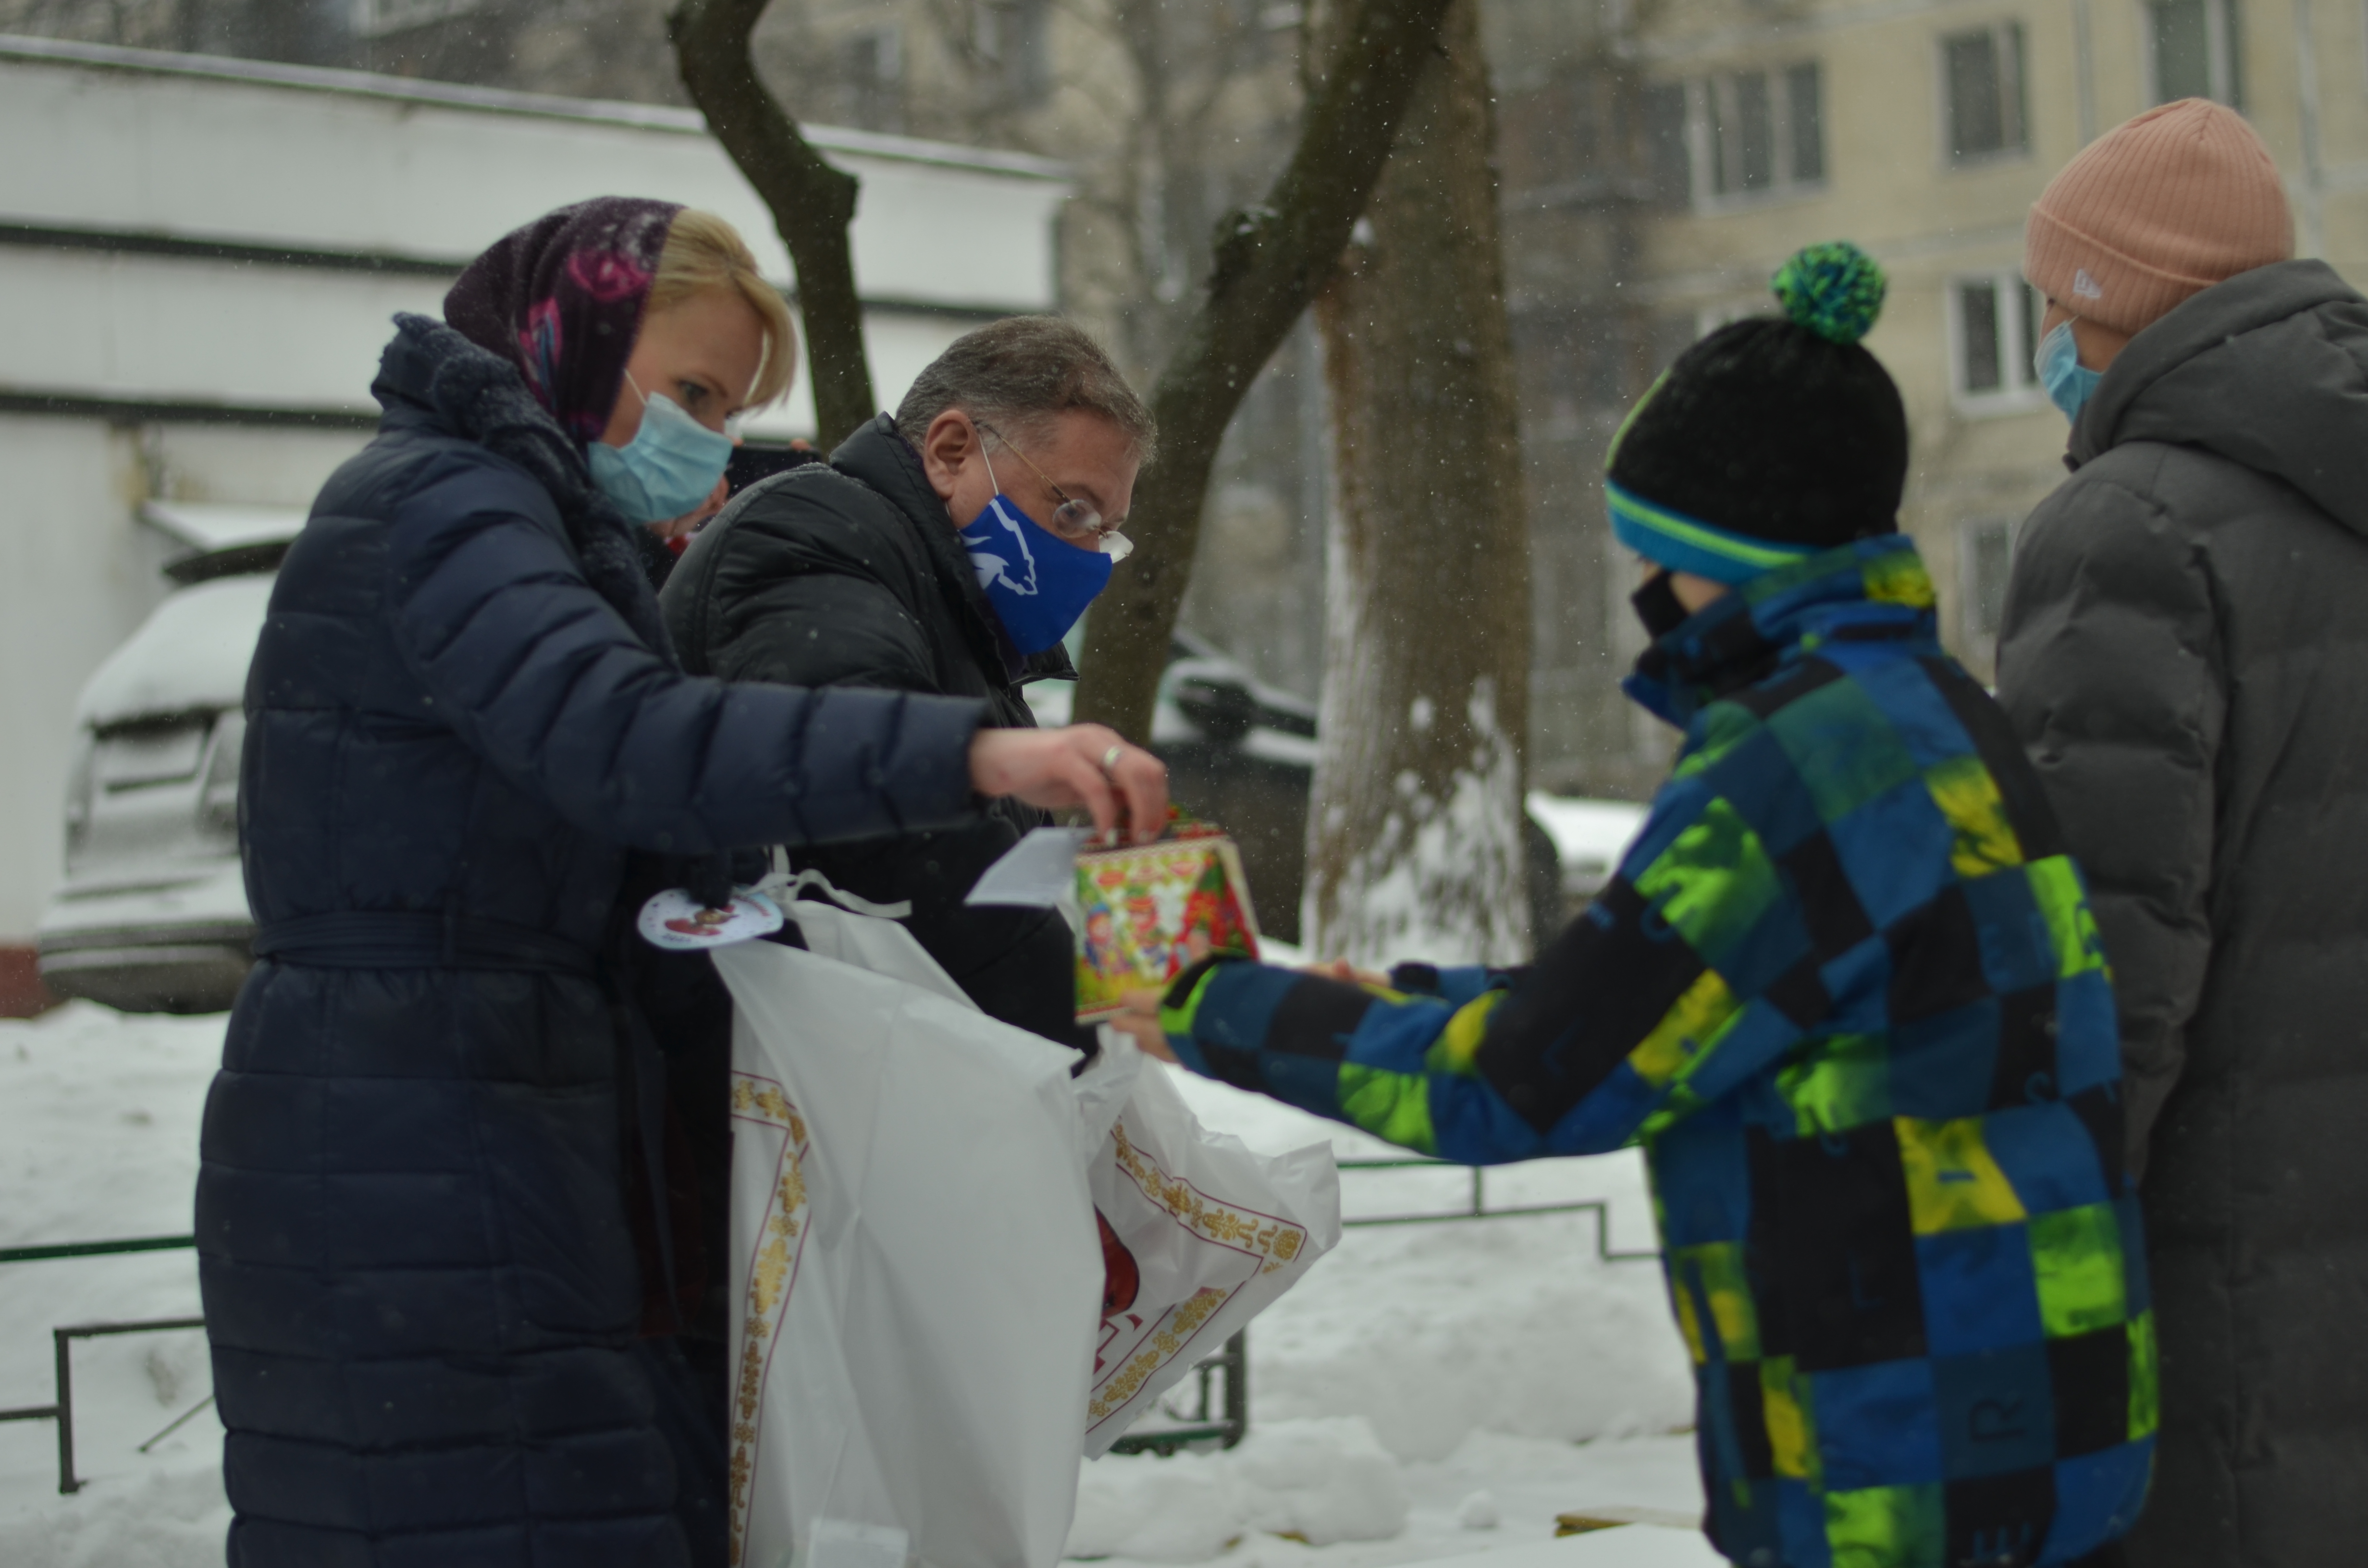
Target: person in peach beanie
(2184, 657)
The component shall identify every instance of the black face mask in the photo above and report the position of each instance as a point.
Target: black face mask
(1659, 607)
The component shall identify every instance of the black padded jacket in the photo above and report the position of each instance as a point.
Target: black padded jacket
(414, 1242)
(849, 574)
(2185, 656)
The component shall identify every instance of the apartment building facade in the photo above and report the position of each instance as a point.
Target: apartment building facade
(1923, 130)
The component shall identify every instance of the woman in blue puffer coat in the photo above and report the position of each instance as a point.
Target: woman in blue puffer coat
(419, 1278)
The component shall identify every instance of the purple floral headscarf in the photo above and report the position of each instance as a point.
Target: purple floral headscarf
(561, 298)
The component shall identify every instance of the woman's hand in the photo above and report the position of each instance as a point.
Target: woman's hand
(1139, 1023)
(1085, 765)
(675, 527)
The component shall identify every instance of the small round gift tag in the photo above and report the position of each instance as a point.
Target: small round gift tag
(675, 920)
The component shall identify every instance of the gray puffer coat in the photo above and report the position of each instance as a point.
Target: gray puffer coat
(2186, 658)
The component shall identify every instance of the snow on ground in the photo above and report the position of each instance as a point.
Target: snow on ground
(1421, 1381)
(98, 1140)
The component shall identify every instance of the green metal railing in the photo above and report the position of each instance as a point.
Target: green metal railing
(1225, 1419)
(60, 1410)
(1219, 1415)
(1478, 1207)
(94, 1249)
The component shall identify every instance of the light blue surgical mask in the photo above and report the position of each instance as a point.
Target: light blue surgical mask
(2070, 383)
(668, 468)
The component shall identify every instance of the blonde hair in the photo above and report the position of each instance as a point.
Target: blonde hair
(703, 252)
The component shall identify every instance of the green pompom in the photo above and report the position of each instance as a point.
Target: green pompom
(1834, 289)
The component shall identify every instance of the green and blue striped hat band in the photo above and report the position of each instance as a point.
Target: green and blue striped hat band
(1688, 544)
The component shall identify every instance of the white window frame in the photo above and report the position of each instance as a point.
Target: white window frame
(377, 19)
(2012, 65)
(1701, 132)
(2019, 392)
(888, 48)
(2220, 20)
(888, 55)
(1021, 56)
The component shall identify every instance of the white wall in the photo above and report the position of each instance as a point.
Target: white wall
(412, 169)
(73, 584)
(169, 328)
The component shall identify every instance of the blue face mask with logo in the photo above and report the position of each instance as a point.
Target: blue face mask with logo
(668, 468)
(1038, 582)
(2070, 383)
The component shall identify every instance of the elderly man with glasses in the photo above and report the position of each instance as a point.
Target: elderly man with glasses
(945, 550)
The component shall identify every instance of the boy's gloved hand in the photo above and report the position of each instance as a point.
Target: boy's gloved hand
(1140, 1022)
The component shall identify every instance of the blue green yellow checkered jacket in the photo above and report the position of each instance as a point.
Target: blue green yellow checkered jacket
(1846, 992)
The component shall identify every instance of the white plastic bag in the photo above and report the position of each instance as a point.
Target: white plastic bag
(1214, 1234)
(916, 1270)
(919, 1272)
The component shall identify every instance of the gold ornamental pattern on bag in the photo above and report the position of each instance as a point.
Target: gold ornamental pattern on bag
(1269, 1241)
(1184, 1320)
(1275, 1240)
(772, 1275)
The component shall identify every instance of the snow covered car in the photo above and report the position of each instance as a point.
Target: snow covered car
(152, 915)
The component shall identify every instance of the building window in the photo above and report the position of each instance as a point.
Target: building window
(870, 76)
(1993, 328)
(1804, 100)
(2195, 51)
(1982, 82)
(1985, 559)
(1665, 141)
(1011, 36)
(1751, 133)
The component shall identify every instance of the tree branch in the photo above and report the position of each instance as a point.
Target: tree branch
(1268, 263)
(811, 202)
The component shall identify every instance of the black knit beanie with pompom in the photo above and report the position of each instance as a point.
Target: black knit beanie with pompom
(1778, 427)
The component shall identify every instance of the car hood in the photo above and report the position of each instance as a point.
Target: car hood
(190, 654)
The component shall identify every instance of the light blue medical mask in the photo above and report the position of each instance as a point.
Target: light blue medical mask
(2070, 383)
(1038, 582)
(668, 468)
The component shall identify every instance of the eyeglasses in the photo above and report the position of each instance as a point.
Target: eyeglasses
(1072, 519)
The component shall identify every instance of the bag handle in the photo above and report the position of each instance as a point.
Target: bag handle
(781, 885)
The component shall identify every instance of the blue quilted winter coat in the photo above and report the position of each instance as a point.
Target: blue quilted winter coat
(1847, 993)
(422, 1293)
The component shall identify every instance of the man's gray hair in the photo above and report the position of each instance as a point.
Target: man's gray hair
(1014, 373)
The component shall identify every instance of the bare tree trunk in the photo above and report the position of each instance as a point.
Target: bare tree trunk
(1415, 831)
(1269, 260)
(812, 202)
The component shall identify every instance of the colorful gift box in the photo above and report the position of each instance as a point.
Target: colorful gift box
(1153, 911)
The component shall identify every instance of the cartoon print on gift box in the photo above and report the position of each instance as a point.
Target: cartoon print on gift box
(1151, 913)
(1150, 944)
(1212, 917)
(1103, 955)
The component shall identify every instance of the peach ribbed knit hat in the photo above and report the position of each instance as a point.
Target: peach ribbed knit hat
(2154, 210)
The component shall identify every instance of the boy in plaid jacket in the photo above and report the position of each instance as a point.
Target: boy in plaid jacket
(1844, 990)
